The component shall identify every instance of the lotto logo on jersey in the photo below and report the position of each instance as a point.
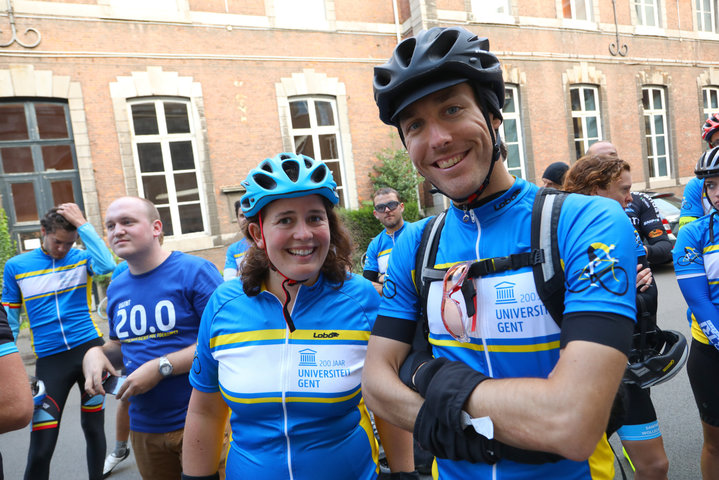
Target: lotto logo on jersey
(655, 233)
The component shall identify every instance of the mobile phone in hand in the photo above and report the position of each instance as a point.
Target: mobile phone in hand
(113, 383)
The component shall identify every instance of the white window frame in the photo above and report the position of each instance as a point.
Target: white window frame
(640, 8)
(700, 16)
(314, 131)
(707, 101)
(583, 114)
(164, 139)
(520, 171)
(588, 5)
(652, 136)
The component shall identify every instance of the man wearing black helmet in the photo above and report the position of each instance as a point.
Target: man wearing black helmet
(695, 255)
(496, 394)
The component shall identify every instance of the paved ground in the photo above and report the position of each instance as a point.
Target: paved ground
(673, 400)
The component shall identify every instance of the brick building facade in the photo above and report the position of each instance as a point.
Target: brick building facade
(176, 99)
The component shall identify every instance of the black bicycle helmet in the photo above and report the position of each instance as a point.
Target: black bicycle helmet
(432, 60)
(708, 164)
(663, 355)
(711, 126)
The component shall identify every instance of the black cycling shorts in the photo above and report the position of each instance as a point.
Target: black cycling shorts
(702, 365)
(640, 409)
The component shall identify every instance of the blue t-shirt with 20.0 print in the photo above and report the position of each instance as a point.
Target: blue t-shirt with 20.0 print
(154, 314)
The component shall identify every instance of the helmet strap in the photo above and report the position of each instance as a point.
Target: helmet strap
(285, 283)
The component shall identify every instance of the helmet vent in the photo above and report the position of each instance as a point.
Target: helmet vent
(292, 169)
(264, 181)
(405, 51)
(443, 44)
(319, 174)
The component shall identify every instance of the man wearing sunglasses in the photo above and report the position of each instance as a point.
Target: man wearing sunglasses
(388, 210)
(506, 392)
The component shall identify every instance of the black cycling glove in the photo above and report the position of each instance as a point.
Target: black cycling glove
(418, 369)
(448, 389)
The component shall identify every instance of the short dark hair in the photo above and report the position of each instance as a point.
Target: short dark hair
(238, 205)
(52, 221)
(385, 191)
(594, 171)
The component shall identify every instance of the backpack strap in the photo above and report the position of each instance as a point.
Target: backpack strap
(549, 275)
(424, 273)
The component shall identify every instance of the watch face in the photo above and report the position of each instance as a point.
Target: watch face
(165, 367)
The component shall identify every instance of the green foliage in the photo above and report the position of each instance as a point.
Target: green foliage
(8, 248)
(396, 171)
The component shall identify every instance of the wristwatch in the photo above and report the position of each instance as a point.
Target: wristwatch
(165, 367)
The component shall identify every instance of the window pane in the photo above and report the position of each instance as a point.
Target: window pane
(176, 118)
(510, 130)
(144, 118)
(17, 160)
(62, 192)
(328, 147)
(155, 188)
(336, 174)
(576, 103)
(578, 131)
(186, 187)
(582, 13)
(325, 117)
(303, 145)
(592, 131)
(662, 164)
(191, 218)
(166, 220)
(657, 96)
(508, 101)
(182, 158)
(13, 125)
(57, 157)
(579, 149)
(513, 156)
(661, 147)
(150, 156)
(589, 103)
(23, 200)
(645, 99)
(51, 122)
(567, 8)
(658, 125)
(299, 114)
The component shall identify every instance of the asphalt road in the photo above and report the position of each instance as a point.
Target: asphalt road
(678, 417)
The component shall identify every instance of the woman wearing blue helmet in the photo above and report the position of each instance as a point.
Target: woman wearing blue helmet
(284, 348)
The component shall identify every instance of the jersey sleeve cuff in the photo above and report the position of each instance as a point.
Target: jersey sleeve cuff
(610, 329)
(395, 328)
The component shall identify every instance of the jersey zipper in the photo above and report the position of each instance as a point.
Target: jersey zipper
(477, 285)
(286, 368)
(57, 311)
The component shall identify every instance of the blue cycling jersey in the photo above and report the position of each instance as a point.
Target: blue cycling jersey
(696, 263)
(512, 334)
(153, 314)
(296, 398)
(234, 258)
(694, 201)
(379, 249)
(56, 293)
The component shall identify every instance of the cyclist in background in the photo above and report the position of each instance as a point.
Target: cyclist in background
(695, 203)
(236, 252)
(695, 261)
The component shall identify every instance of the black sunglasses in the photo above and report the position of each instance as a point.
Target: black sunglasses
(389, 206)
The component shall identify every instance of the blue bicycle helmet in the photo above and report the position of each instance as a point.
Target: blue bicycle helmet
(435, 59)
(286, 175)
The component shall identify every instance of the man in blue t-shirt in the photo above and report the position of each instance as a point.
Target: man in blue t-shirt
(388, 209)
(154, 311)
